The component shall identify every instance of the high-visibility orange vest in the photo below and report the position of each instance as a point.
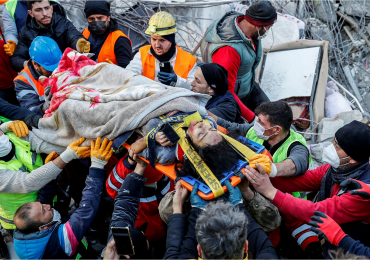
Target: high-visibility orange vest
(107, 51)
(26, 77)
(184, 63)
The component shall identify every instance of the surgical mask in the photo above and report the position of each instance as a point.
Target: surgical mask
(5, 145)
(260, 37)
(331, 157)
(260, 130)
(56, 219)
(97, 27)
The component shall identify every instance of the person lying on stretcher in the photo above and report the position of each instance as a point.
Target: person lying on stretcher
(213, 149)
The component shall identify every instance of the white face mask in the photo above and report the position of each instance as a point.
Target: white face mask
(331, 157)
(5, 145)
(260, 37)
(260, 130)
(56, 218)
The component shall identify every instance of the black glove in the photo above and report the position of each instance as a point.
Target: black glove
(356, 188)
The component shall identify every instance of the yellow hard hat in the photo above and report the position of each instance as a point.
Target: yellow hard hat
(161, 23)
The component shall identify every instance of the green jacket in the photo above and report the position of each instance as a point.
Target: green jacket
(226, 32)
(26, 161)
(282, 152)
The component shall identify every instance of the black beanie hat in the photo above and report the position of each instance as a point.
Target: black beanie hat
(261, 14)
(216, 77)
(354, 139)
(97, 7)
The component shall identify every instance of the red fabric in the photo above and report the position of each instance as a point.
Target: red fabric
(7, 74)
(308, 241)
(73, 63)
(342, 209)
(331, 230)
(274, 236)
(258, 23)
(230, 60)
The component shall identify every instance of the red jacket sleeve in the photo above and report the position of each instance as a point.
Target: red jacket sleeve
(229, 58)
(343, 209)
(310, 181)
(117, 176)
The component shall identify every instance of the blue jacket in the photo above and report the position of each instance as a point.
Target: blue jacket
(27, 96)
(225, 107)
(182, 242)
(354, 247)
(61, 241)
(13, 112)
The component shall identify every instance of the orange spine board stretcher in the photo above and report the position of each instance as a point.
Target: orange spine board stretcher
(169, 170)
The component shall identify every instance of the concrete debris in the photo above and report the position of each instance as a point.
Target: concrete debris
(325, 11)
(328, 127)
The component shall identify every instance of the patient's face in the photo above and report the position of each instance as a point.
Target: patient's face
(203, 135)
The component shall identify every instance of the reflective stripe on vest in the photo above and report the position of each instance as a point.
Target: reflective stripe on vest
(184, 62)
(26, 161)
(27, 78)
(107, 51)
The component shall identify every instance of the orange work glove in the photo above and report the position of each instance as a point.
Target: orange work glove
(262, 160)
(19, 128)
(9, 48)
(51, 157)
(100, 153)
(75, 151)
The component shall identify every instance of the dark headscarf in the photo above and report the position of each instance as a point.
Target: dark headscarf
(97, 7)
(354, 139)
(216, 77)
(168, 55)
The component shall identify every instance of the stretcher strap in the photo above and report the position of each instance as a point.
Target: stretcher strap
(198, 163)
(244, 151)
(150, 138)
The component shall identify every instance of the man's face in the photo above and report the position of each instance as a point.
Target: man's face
(42, 213)
(199, 84)
(260, 31)
(160, 45)
(42, 12)
(98, 18)
(263, 121)
(346, 162)
(41, 70)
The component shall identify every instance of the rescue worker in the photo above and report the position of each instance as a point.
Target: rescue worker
(156, 186)
(234, 41)
(163, 48)
(45, 56)
(7, 74)
(211, 79)
(22, 172)
(107, 41)
(14, 18)
(347, 158)
(40, 225)
(50, 21)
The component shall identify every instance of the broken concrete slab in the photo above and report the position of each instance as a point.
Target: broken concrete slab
(290, 8)
(328, 127)
(349, 116)
(325, 11)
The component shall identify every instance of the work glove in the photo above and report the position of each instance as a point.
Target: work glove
(235, 196)
(83, 46)
(326, 228)
(109, 61)
(166, 78)
(100, 153)
(356, 188)
(19, 128)
(262, 160)
(48, 97)
(195, 200)
(52, 156)
(74, 151)
(9, 48)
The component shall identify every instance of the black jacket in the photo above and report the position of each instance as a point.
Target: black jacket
(122, 48)
(182, 242)
(61, 30)
(13, 112)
